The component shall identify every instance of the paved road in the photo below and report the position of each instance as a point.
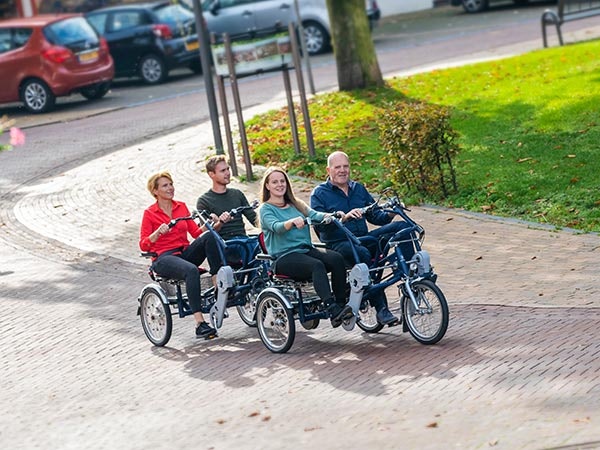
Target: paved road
(518, 367)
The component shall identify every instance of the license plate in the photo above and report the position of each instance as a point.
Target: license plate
(88, 56)
(191, 46)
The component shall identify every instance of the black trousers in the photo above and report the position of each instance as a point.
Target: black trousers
(184, 265)
(314, 265)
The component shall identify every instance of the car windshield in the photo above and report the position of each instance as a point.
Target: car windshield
(73, 33)
(173, 14)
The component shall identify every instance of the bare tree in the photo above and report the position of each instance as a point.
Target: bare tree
(357, 65)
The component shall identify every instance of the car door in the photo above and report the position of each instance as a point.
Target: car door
(129, 35)
(15, 61)
(229, 16)
(273, 14)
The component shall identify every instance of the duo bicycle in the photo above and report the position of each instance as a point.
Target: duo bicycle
(274, 303)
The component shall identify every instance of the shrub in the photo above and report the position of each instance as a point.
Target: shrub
(419, 146)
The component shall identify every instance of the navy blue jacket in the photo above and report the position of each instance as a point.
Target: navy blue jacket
(329, 198)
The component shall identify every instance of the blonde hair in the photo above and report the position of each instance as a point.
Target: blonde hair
(152, 184)
(289, 196)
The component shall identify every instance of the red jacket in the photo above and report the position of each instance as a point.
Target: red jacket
(176, 238)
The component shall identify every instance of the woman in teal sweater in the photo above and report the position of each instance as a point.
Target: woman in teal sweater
(287, 237)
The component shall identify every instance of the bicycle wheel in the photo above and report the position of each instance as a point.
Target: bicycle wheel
(427, 323)
(156, 317)
(368, 319)
(247, 311)
(275, 322)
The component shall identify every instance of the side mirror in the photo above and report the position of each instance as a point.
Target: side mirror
(214, 7)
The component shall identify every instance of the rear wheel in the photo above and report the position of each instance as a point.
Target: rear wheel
(368, 320)
(473, 6)
(429, 321)
(156, 317)
(316, 38)
(247, 311)
(276, 326)
(196, 67)
(152, 69)
(37, 96)
(96, 91)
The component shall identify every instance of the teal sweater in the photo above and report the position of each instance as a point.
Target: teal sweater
(279, 241)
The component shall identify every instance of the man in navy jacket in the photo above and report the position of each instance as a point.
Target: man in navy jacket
(340, 193)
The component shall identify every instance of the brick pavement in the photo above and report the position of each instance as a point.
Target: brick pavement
(518, 367)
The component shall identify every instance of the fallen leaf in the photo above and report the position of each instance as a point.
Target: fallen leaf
(313, 428)
(253, 414)
(520, 160)
(586, 420)
(493, 443)
(432, 425)
(266, 418)
(221, 421)
(571, 156)
(478, 258)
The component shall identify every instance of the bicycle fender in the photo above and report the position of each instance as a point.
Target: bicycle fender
(278, 293)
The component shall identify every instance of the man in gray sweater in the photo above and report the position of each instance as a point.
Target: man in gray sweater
(220, 200)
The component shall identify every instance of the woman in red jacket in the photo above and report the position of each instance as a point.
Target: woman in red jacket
(176, 257)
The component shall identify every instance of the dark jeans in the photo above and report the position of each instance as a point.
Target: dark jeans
(184, 265)
(314, 265)
(372, 242)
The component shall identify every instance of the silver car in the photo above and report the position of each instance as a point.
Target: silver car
(249, 18)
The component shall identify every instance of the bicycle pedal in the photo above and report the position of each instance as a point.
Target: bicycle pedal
(209, 337)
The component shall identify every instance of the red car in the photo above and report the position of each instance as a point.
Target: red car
(49, 56)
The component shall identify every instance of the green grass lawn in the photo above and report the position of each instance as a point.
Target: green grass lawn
(529, 131)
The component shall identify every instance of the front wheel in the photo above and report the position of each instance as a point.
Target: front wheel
(429, 321)
(276, 326)
(156, 317)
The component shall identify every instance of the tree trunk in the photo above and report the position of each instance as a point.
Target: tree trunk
(357, 65)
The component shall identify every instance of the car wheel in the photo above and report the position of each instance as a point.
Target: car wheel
(473, 6)
(196, 67)
(37, 96)
(316, 38)
(152, 69)
(96, 91)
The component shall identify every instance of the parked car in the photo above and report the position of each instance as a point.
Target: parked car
(247, 17)
(474, 6)
(49, 56)
(149, 39)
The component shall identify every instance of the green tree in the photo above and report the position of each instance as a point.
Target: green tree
(357, 65)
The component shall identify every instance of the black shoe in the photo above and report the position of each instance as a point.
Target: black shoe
(204, 330)
(338, 314)
(385, 317)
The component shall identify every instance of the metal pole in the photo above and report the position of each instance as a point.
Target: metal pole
(238, 106)
(207, 70)
(303, 103)
(291, 112)
(230, 149)
(304, 51)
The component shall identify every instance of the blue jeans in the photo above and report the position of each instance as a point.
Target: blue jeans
(184, 266)
(372, 243)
